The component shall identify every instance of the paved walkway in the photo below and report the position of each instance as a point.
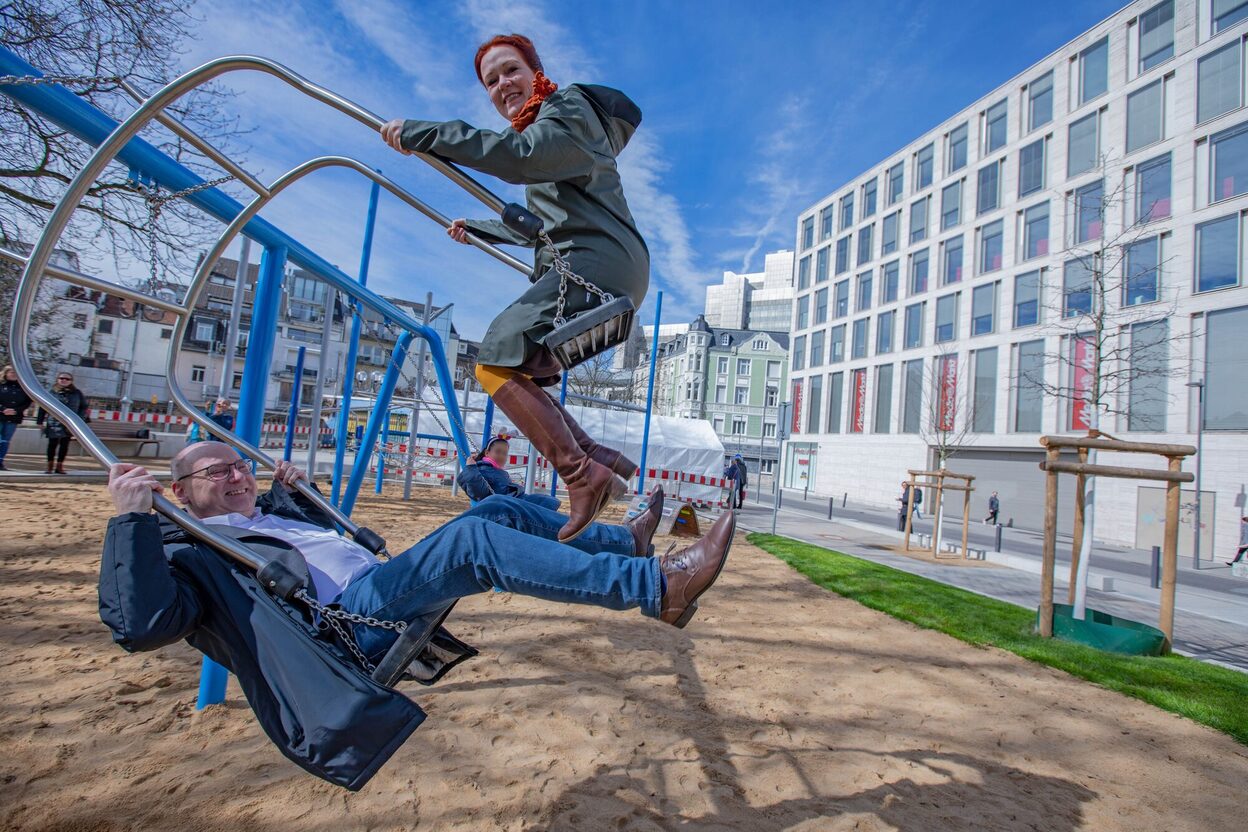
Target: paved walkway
(1211, 606)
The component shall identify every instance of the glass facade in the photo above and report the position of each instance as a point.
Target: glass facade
(984, 391)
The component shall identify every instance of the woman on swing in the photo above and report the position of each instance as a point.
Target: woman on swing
(561, 145)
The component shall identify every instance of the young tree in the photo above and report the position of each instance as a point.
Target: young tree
(1115, 352)
(947, 414)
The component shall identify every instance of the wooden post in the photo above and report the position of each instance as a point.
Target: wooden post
(1048, 564)
(909, 509)
(1076, 546)
(1170, 554)
(966, 519)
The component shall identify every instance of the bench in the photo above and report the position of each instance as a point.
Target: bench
(113, 432)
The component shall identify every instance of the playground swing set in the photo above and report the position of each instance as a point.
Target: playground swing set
(151, 172)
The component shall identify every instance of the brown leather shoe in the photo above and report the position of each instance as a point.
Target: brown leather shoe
(644, 525)
(691, 571)
(623, 467)
(591, 485)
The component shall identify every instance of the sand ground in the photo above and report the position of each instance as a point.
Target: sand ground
(782, 706)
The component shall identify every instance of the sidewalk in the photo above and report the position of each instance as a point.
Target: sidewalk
(1211, 607)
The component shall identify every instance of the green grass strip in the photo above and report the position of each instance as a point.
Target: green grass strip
(1209, 694)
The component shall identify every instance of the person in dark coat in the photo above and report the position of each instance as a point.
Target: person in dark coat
(562, 145)
(737, 476)
(487, 475)
(994, 509)
(223, 416)
(157, 587)
(57, 434)
(13, 405)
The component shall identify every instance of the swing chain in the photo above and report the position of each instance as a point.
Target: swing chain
(335, 618)
(75, 80)
(155, 203)
(565, 274)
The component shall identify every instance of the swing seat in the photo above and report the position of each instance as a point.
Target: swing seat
(591, 332)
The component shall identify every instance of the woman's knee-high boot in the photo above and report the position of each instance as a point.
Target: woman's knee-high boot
(610, 457)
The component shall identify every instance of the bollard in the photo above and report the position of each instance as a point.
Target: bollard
(998, 540)
(779, 497)
(1154, 575)
(806, 493)
(831, 502)
(844, 499)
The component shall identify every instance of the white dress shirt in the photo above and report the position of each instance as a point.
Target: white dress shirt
(333, 561)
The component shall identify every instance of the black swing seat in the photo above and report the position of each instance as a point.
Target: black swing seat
(591, 332)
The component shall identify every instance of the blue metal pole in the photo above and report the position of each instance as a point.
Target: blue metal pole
(292, 417)
(381, 413)
(487, 430)
(353, 350)
(563, 398)
(654, 360)
(268, 295)
(381, 455)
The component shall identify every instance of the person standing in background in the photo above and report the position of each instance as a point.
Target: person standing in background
(57, 434)
(13, 404)
(738, 477)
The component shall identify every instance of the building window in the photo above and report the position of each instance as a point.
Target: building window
(1144, 117)
(912, 396)
(769, 432)
(1083, 149)
(840, 299)
(988, 194)
(957, 148)
(808, 233)
(883, 398)
(918, 272)
(80, 320)
(842, 255)
(847, 211)
(1157, 35)
(166, 334)
(863, 300)
(836, 344)
(1094, 71)
(1029, 387)
(104, 326)
(1143, 272)
(888, 281)
(1090, 212)
(821, 265)
(995, 126)
(951, 261)
(722, 365)
(1076, 288)
(773, 369)
(912, 335)
(1152, 190)
(862, 332)
(868, 198)
(799, 352)
(721, 393)
(1036, 231)
(864, 244)
(821, 307)
(984, 309)
(918, 220)
(760, 344)
(743, 366)
(1027, 299)
(1226, 395)
(197, 373)
(1031, 167)
(803, 273)
(1228, 163)
(947, 318)
(1040, 101)
(888, 234)
(814, 413)
(771, 395)
(836, 394)
(738, 426)
(896, 183)
(825, 223)
(924, 163)
(1147, 396)
(884, 333)
(984, 392)
(803, 312)
(1227, 13)
(741, 395)
(1218, 82)
(1217, 254)
(991, 246)
(717, 424)
(951, 205)
(204, 331)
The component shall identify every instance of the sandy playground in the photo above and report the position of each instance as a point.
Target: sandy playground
(782, 706)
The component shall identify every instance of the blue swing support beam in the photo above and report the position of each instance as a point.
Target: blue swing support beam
(120, 142)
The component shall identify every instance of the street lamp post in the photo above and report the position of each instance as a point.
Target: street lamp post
(1200, 459)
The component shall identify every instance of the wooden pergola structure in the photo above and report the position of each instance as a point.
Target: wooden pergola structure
(936, 479)
(1173, 476)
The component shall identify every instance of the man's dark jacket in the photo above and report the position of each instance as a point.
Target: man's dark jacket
(159, 585)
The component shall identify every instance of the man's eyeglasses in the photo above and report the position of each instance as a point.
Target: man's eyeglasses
(221, 470)
(64, 378)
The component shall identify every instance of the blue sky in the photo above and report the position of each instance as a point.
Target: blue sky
(752, 112)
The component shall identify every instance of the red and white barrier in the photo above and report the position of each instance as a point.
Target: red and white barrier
(138, 418)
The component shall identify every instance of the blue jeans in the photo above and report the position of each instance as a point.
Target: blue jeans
(531, 514)
(502, 542)
(544, 500)
(7, 429)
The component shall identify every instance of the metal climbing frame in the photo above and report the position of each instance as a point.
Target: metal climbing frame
(268, 288)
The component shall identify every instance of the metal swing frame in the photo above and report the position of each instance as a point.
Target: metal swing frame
(273, 575)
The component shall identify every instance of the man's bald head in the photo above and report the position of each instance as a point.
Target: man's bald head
(208, 481)
(188, 459)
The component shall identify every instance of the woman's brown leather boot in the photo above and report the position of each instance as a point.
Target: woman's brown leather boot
(623, 467)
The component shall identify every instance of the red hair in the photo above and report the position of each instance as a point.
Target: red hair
(519, 42)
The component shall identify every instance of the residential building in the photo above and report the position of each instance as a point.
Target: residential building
(958, 272)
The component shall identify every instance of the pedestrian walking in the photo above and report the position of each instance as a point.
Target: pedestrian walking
(994, 509)
(13, 405)
(1243, 542)
(57, 434)
(907, 494)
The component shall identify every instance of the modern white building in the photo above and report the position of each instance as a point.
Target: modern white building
(759, 301)
(961, 269)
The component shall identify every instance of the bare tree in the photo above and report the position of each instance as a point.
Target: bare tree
(44, 345)
(102, 41)
(947, 415)
(598, 378)
(1115, 353)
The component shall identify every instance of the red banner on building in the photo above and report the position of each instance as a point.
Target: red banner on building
(1080, 383)
(857, 423)
(796, 427)
(947, 406)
